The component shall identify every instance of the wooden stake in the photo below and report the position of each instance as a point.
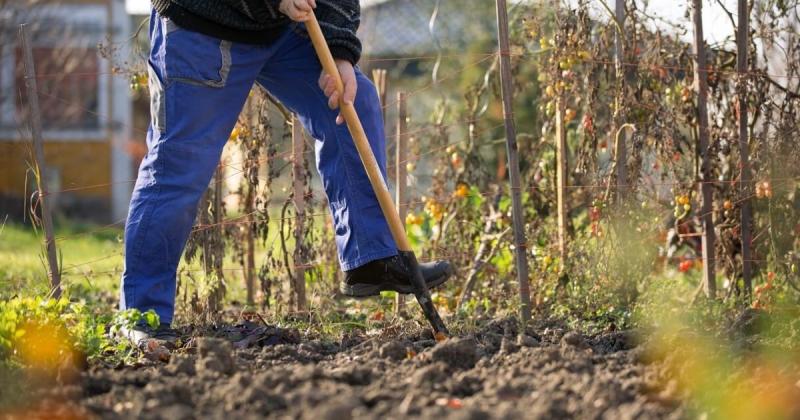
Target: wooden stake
(744, 147)
(520, 249)
(401, 172)
(620, 152)
(701, 88)
(298, 186)
(35, 115)
(379, 78)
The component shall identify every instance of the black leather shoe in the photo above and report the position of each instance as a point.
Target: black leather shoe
(391, 274)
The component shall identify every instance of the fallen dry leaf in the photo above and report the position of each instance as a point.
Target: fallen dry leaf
(454, 403)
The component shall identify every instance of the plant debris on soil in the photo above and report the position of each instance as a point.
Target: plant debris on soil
(497, 371)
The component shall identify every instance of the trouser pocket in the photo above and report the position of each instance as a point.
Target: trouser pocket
(194, 58)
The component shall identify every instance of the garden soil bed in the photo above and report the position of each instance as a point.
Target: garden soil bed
(400, 371)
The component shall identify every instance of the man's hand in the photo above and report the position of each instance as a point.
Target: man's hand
(327, 84)
(297, 10)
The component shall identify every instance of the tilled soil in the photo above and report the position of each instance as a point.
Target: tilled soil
(496, 372)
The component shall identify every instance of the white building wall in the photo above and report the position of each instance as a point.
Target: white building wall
(121, 110)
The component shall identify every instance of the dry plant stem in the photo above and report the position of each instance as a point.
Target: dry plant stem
(249, 209)
(481, 255)
(620, 150)
(205, 220)
(477, 263)
(219, 248)
(298, 185)
(211, 238)
(512, 150)
(744, 147)
(250, 259)
(697, 293)
(492, 251)
(348, 112)
(285, 254)
(452, 213)
(561, 178)
(35, 115)
(701, 87)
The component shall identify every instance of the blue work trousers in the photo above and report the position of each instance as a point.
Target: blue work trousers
(198, 85)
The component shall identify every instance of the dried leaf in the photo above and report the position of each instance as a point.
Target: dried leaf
(454, 403)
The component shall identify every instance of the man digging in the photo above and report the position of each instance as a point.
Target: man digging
(205, 56)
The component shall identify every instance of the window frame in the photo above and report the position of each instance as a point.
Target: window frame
(68, 14)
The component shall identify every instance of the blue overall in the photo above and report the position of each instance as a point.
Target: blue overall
(198, 86)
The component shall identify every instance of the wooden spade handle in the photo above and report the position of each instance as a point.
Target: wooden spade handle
(348, 111)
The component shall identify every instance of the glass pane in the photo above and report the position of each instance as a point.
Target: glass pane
(68, 86)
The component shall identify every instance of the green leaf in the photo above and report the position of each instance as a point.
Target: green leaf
(505, 203)
(151, 318)
(475, 197)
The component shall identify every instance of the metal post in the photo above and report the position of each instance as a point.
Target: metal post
(34, 113)
(520, 249)
(708, 238)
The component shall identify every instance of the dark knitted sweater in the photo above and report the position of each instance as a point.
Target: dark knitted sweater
(260, 22)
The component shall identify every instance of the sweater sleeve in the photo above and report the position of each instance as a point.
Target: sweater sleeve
(339, 20)
(273, 6)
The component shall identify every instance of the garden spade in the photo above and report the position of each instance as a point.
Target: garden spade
(348, 112)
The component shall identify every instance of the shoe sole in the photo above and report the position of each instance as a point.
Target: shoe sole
(370, 290)
(143, 342)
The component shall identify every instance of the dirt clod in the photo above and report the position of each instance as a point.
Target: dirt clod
(524, 340)
(507, 346)
(393, 350)
(210, 347)
(573, 339)
(215, 356)
(459, 353)
(177, 412)
(180, 364)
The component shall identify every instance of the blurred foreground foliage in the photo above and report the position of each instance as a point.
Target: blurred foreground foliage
(46, 333)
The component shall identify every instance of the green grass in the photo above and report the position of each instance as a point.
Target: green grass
(91, 259)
